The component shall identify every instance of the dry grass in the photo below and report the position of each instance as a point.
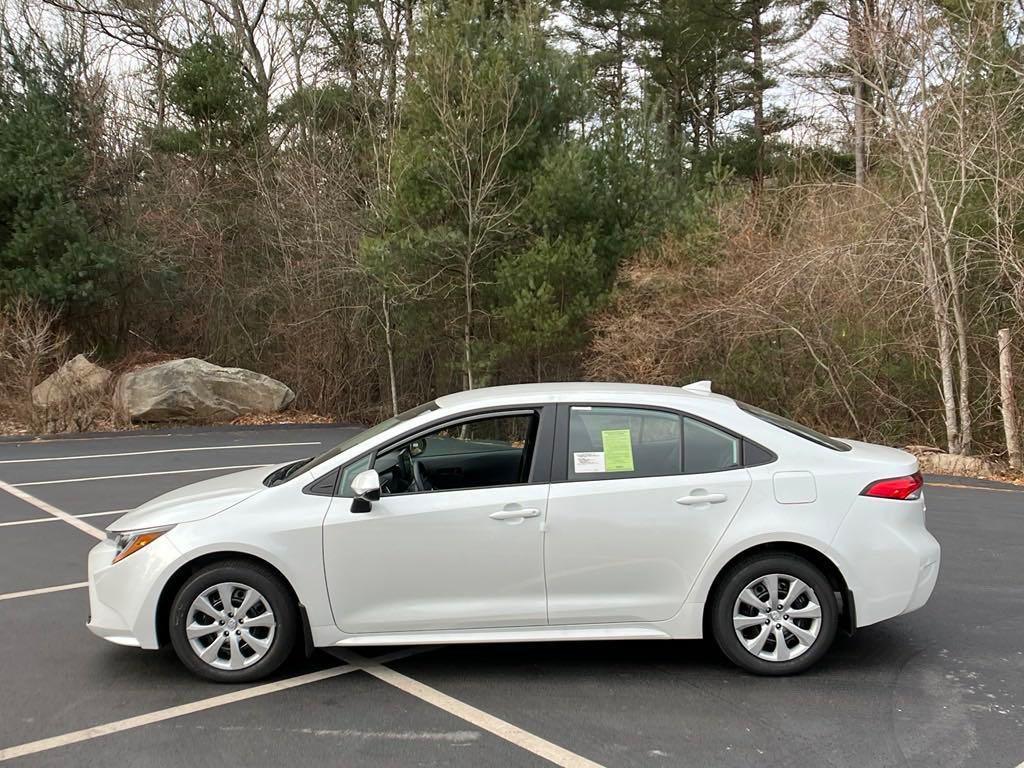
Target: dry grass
(807, 303)
(31, 345)
(284, 417)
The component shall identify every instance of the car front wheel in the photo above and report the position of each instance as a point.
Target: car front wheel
(775, 615)
(233, 622)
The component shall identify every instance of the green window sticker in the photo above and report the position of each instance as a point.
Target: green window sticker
(618, 450)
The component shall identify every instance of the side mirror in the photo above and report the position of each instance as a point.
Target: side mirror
(366, 486)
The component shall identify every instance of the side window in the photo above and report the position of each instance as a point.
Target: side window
(475, 453)
(707, 449)
(608, 442)
(481, 436)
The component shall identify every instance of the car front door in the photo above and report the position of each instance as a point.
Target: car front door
(644, 496)
(463, 552)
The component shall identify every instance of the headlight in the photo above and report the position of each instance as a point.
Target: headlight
(132, 541)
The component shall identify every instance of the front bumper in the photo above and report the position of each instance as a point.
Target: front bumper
(123, 596)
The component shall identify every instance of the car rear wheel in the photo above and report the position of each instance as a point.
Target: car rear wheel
(233, 622)
(775, 615)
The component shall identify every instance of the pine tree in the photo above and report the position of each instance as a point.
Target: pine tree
(51, 246)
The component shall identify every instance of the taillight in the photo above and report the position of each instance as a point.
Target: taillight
(904, 488)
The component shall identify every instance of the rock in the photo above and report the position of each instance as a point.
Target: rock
(920, 450)
(195, 390)
(951, 464)
(74, 383)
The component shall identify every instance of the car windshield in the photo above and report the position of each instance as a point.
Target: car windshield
(304, 466)
(793, 427)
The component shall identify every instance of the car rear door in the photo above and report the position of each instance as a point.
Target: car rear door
(639, 498)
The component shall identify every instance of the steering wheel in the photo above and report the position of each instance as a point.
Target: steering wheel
(420, 477)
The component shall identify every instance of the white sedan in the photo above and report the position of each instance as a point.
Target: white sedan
(529, 513)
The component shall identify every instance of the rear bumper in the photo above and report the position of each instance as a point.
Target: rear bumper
(926, 578)
(891, 560)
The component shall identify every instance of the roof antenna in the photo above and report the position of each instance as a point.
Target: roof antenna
(699, 386)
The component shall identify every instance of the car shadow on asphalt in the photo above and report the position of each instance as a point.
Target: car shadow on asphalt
(872, 653)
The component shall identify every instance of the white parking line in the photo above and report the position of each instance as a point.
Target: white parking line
(929, 483)
(52, 510)
(74, 737)
(149, 453)
(510, 733)
(44, 590)
(55, 520)
(136, 474)
(34, 520)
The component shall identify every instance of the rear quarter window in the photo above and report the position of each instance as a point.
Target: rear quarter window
(708, 449)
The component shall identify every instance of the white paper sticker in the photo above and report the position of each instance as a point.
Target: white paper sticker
(588, 461)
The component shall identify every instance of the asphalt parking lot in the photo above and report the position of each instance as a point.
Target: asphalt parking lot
(940, 687)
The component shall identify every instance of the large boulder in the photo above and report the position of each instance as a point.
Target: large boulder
(195, 390)
(75, 384)
(937, 462)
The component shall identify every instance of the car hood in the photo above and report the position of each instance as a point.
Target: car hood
(194, 502)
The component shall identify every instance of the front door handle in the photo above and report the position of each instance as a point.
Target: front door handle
(514, 514)
(702, 498)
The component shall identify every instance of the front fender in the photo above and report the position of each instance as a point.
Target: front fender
(297, 554)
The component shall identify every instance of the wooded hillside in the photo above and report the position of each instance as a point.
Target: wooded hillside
(817, 204)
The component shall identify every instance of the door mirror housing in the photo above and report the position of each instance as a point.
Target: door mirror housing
(366, 486)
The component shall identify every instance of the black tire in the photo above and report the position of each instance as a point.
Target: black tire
(274, 592)
(745, 572)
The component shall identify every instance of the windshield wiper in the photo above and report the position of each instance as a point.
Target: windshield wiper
(285, 473)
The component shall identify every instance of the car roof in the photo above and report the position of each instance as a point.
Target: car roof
(580, 391)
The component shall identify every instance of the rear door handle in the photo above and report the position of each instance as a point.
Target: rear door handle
(702, 498)
(514, 514)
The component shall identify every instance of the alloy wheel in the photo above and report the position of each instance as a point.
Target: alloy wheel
(230, 626)
(777, 617)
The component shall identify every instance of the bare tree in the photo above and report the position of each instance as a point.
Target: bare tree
(476, 111)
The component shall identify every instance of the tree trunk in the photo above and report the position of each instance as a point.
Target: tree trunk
(161, 89)
(949, 405)
(389, 346)
(757, 47)
(860, 144)
(942, 336)
(467, 323)
(620, 73)
(933, 275)
(1006, 397)
(963, 363)
(410, 33)
(856, 34)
